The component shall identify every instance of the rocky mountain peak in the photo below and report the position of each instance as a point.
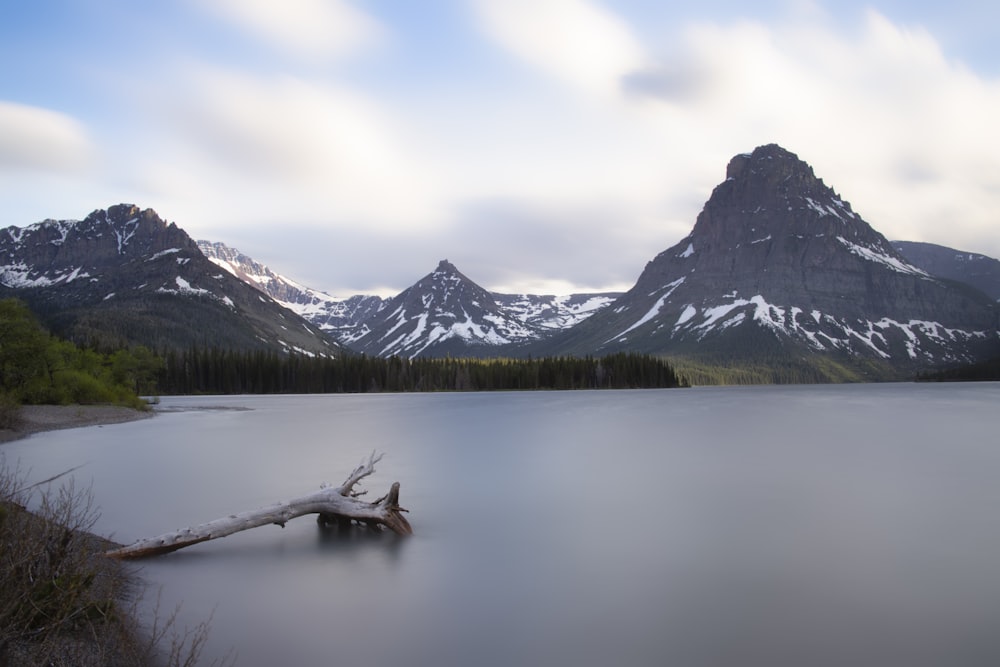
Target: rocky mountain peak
(442, 313)
(776, 258)
(772, 192)
(124, 275)
(772, 162)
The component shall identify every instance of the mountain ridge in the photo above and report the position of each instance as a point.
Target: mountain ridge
(493, 320)
(777, 272)
(123, 276)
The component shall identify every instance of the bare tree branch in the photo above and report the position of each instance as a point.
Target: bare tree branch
(333, 504)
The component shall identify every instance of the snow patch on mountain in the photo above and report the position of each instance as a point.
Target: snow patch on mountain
(184, 287)
(873, 255)
(652, 312)
(926, 341)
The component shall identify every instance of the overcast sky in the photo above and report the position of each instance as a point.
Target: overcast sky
(547, 146)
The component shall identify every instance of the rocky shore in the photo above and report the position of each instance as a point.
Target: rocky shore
(38, 418)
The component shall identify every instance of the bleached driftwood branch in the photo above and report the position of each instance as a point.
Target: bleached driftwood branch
(332, 504)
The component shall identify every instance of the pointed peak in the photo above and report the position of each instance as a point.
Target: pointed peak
(444, 266)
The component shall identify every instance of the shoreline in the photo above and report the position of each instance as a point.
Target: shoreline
(39, 418)
(118, 637)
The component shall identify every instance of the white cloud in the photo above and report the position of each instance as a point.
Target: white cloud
(576, 41)
(882, 115)
(581, 173)
(36, 138)
(294, 149)
(313, 29)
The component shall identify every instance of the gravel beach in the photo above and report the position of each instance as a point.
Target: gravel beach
(38, 418)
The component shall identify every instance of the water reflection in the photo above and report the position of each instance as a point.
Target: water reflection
(850, 525)
(348, 540)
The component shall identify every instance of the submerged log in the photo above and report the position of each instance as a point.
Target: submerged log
(332, 504)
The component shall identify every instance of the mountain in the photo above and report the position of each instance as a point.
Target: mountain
(124, 276)
(446, 313)
(980, 271)
(492, 321)
(340, 318)
(780, 274)
(442, 313)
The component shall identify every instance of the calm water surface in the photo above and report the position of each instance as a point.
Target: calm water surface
(818, 525)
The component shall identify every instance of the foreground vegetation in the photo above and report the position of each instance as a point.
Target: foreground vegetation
(61, 601)
(38, 368)
(232, 372)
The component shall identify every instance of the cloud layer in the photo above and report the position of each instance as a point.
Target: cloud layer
(541, 145)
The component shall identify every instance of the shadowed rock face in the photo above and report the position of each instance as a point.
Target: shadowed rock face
(104, 236)
(776, 250)
(773, 228)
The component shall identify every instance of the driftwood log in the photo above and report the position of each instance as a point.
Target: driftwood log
(338, 505)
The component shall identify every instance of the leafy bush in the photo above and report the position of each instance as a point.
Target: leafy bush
(36, 368)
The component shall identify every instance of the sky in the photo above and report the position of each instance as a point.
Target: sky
(543, 146)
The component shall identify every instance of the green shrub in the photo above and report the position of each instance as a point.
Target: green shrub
(10, 410)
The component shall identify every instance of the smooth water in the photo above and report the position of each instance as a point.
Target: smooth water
(805, 525)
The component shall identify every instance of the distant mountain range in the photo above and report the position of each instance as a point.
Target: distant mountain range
(442, 313)
(779, 280)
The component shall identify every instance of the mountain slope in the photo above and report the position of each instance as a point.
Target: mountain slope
(980, 271)
(442, 313)
(777, 269)
(124, 276)
(340, 318)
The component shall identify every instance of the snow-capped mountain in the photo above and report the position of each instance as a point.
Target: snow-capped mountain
(125, 276)
(980, 271)
(489, 320)
(550, 312)
(446, 313)
(779, 267)
(340, 318)
(442, 313)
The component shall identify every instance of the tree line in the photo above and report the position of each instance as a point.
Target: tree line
(216, 371)
(37, 367)
(988, 370)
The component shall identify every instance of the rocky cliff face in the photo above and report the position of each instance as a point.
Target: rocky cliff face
(57, 252)
(779, 264)
(124, 276)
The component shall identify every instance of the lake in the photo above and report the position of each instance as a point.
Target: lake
(791, 525)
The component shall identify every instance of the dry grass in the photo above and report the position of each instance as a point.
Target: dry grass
(62, 602)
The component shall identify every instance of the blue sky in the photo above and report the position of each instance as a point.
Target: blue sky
(540, 145)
